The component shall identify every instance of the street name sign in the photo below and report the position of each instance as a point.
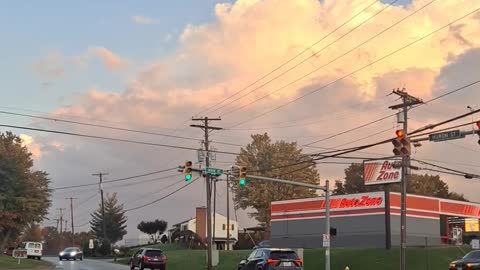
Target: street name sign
(445, 136)
(214, 171)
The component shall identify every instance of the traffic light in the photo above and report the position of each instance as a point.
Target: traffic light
(187, 171)
(242, 176)
(401, 144)
(333, 231)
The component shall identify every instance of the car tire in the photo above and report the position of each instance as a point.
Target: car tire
(81, 258)
(74, 258)
(60, 258)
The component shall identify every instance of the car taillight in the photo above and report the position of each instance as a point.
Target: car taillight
(163, 258)
(299, 262)
(145, 258)
(270, 261)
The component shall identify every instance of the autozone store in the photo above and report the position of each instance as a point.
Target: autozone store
(359, 220)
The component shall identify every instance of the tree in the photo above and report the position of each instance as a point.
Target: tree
(114, 220)
(32, 233)
(24, 193)
(427, 185)
(154, 229)
(269, 159)
(164, 239)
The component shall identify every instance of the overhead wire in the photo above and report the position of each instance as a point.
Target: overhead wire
(288, 61)
(111, 127)
(335, 59)
(111, 139)
(163, 197)
(358, 69)
(116, 180)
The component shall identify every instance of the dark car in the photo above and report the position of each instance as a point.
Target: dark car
(9, 251)
(271, 259)
(148, 258)
(471, 261)
(71, 253)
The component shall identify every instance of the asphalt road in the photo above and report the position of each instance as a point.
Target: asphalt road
(86, 264)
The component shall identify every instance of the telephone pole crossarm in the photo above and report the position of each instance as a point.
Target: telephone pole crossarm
(295, 183)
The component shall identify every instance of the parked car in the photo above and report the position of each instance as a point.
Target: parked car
(271, 259)
(8, 251)
(71, 253)
(34, 249)
(148, 258)
(471, 261)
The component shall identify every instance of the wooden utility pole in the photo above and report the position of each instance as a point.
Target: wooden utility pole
(104, 225)
(71, 217)
(206, 128)
(407, 102)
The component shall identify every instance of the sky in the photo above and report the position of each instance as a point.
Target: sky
(152, 65)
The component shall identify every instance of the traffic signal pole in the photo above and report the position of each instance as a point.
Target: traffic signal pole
(325, 188)
(407, 101)
(206, 128)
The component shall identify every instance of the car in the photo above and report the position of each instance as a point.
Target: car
(9, 251)
(271, 259)
(34, 249)
(148, 258)
(471, 261)
(71, 253)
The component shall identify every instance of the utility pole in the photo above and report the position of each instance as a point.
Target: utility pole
(65, 228)
(228, 211)
(61, 219)
(104, 229)
(407, 102)
(71, 216)
(206, 128)
(57, 220)
(214, 208)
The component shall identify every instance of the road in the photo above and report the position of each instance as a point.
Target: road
(86, 264)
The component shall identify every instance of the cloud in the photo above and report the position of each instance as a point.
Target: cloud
(51, 67)
(109, 59)
(138, 19)
(248, 39)
(32, 146)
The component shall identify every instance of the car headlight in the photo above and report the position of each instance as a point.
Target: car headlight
(470, 265)
(73, 253)
(61, 253)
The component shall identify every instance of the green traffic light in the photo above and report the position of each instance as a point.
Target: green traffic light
(188, 177)
(242, 182)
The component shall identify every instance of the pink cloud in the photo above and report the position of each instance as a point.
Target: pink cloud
(109, 59)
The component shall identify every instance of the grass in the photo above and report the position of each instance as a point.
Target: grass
(7, 262)
(355, 259)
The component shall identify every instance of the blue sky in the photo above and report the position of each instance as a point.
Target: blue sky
(33, 29)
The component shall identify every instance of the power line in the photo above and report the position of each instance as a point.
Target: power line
(287, 62)
(333, 60)
(358, 69)
(162, 198)
(112, 139)
(110, 127)
(462, 173)
(117, 180)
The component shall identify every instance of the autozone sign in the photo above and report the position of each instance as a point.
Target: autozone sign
(382, 171)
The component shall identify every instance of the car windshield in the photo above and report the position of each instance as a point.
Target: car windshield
(474, 255)
(70, 249)
(153, 253)
(283, 255)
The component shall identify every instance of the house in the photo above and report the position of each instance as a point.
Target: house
(198, 225)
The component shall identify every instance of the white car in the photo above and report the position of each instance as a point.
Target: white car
(34, 249)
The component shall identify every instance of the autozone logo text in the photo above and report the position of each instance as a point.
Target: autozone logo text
(364, 201)
(386, 172)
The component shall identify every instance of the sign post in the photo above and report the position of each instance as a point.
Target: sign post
(384, 171)
(19, 254)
